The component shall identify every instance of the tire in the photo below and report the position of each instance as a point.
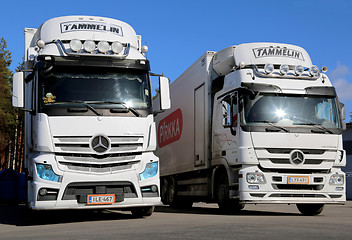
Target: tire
(142, 211)
(173, 200)
(164, 188)
(222, 197)
(310, 209)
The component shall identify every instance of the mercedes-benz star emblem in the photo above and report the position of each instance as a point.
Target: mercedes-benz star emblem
(297, 157)
(100, 144)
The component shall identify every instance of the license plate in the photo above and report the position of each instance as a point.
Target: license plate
(101, 199)
(297, 180)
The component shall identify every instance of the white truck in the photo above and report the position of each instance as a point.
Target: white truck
(89, 126)
(254, 123)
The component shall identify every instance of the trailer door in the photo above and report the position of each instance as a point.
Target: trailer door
(199, 126)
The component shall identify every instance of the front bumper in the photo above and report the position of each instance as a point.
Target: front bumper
(277, 188)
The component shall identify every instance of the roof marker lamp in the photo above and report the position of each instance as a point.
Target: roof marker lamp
(40, 43)
(299, 69)
(144, 49)
(268, 68)
(89, 45)
(284, 68)
(103, 46)
(45, 171)
(116, 47)
(314, 71)
(75, 45)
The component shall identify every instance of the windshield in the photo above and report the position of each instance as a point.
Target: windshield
(67, 85)
(291, 110)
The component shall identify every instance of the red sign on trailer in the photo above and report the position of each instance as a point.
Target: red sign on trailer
(170, 128)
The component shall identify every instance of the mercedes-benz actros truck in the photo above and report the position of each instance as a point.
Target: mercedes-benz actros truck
(89, 125)
(250, 124)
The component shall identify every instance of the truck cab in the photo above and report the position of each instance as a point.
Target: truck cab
(89, 126)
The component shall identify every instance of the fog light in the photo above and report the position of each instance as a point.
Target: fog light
(103, 46)
(154, 188)
(268, 68)
(339, 189)
(89, 45)
(75, 45)
(43, 192)
(253, 187)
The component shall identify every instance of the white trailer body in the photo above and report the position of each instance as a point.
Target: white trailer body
(89, 126)
(253, 123)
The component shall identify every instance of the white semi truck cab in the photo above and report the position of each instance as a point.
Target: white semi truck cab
(259, 124)
(89, 126)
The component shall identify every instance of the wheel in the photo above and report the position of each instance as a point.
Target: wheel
(142, 211)
(222, 197)
(164, 188)
(173, 200)
(310, 209)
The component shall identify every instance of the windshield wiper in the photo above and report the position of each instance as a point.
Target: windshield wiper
(274, 125)
(133, 110)
(86, 105)
(324, 129)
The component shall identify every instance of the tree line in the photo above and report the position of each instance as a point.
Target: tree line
(11, 119)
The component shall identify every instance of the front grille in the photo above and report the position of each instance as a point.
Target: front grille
(284, 158)
(97, 168)
(297, 187)
(296, 195)
(79, 191)
(81, 144)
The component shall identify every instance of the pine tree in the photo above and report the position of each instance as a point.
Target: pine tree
(7, 112)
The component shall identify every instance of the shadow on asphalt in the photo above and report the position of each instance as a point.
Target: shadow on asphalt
(21, 216)
(217, 211)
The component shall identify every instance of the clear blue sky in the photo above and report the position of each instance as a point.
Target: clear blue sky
(178, 32)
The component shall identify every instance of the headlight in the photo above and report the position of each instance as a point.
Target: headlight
(337, 179)
(45, 171)
(268, 68)
(255, 178)
(151, 169)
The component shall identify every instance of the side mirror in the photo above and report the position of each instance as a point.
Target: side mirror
(165, 102)
(343, 112)
(18, 90)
